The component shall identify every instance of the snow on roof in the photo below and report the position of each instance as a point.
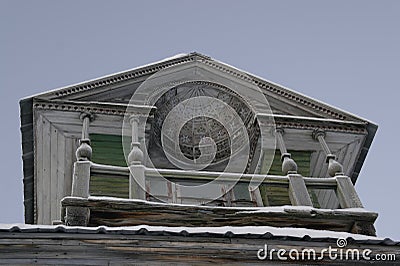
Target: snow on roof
(267, 209)
(236, 230)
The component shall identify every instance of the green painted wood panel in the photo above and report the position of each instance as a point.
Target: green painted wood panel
(278, 195)
(107, 149)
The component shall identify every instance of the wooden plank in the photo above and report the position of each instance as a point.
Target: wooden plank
(320, 165)
(46, 175)
(114, 212)
(39, 170)
(54, 153)
(313, 162)
(70, 148)
(351, 156)
(60, 172)
(332, 202)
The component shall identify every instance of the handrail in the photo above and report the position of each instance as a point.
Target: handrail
(329, 182)
(205, 175)
(109, 169)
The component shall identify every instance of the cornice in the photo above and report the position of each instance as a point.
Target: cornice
(312, 126)
(263, 84)
(121, 77)
(118, 109)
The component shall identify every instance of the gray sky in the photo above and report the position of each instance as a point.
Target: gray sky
(345, 53)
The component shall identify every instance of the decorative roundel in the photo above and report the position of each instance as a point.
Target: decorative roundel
(202, 131)
(200, 121)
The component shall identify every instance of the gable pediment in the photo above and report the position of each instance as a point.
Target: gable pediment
(119, 88)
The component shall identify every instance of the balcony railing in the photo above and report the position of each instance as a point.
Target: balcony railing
(145, 184)
(297, 184)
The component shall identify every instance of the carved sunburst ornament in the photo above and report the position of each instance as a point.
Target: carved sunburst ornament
(197, 132)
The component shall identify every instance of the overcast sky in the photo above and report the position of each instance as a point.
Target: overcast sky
(345, 53)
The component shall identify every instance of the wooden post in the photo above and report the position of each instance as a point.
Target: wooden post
(334, 167)
(289, 166)
(79, 216)
(137, 181)
(346, 193)
(256, 198)
(298, 192)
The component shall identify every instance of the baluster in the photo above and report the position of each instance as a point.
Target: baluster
(84, 151)
(135, 158)
(334, 167)
(81, 176)
(289, 166)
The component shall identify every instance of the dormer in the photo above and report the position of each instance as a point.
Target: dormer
(194, 141)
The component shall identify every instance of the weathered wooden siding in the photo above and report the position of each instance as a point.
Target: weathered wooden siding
(54, 159)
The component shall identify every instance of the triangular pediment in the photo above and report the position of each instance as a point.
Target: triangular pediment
(119, 87)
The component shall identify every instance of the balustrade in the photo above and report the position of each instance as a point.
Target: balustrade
(140, 176)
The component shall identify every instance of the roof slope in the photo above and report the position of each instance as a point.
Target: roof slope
(24, 244)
